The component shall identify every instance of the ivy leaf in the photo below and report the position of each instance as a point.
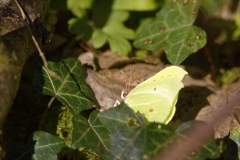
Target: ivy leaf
(46, 145)
(114, 32)
(233, 145)
(19, 150)
(203, 151)
(72, 91)
(173, 30)
(158, 137)
(41, 145)
(90, 133)
(131, 137)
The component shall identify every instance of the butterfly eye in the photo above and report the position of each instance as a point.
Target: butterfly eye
(124, 95)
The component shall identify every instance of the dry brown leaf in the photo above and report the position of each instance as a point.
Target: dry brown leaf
(197, 100)
(107, 85)
(108, 60)
(139, 73)
(87, 58)
(191, 100)
(106, 90)
(217, 100)
(207, 112)
(202, 133)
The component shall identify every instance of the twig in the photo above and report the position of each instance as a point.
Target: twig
(210, 61)
(81, 44)
(41, 54)
(45, 113)
(202, 133)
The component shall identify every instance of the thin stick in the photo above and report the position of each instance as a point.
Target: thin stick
(126, 91)
(210, 61)
(81, 44)
(21, 10)
(197, 136)
(129, 80)
(45, 113)
(41, 54)
(125, 79)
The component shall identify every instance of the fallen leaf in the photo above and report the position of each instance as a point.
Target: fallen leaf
(108, 60)
(87, 58)
(139, 73)
(107, 85)
(217, 100)
(106, 90)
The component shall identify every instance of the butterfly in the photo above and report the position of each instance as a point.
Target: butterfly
(157, 96)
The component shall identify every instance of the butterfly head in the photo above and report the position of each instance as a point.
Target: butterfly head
(124, 95)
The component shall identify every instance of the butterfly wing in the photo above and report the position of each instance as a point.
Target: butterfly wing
(157, 96)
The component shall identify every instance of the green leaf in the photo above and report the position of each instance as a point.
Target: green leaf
(77, 7)
(173, 30)
(99, 38)
(230, 75)
(211, 7)
(19, 150)
(79, 27)
(114, 32)
(159, 136)
(233, 146)
(90, 133)
(114, 24)
(109, 26)
(41, 145)
(203, 151)
(130, 136)
(45, 145)
(236, 33)
(62, 125)
(118, 30)
(119, 45)
(72, 91)
(133, 5)
(126, 132)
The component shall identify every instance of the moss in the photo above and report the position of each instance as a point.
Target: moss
(59, 122)
(230, 75)
(83, 154)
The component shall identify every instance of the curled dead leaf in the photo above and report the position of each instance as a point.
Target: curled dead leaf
(217, 102)
(87, 58)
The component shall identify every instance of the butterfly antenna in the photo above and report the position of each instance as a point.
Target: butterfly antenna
(129, 80)
(124, 92)
(124, 79)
